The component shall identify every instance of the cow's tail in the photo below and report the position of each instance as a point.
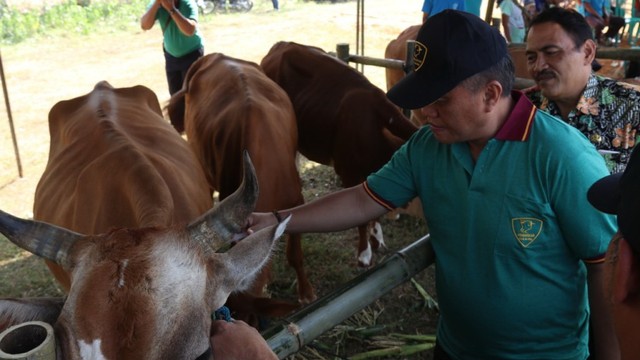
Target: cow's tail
(175, 110)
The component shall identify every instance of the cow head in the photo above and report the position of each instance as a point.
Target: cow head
(145, 293)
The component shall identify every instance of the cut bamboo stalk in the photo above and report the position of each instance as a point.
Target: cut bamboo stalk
(299, 329)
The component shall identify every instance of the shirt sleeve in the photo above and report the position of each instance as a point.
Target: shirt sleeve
(586, 230)
(192, 10)
(394, 185)
(426, 6)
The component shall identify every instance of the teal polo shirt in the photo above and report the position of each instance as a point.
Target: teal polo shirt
(511, 233)
(175, 42)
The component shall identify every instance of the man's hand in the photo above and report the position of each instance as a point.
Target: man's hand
(237, 340)
(167, 4)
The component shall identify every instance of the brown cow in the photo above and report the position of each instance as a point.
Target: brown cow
(145, 289)
(397, 49)
(232, 105)
(343, 120)
(114, 163)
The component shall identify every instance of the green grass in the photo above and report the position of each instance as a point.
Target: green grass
(67, 18)
(24, 275)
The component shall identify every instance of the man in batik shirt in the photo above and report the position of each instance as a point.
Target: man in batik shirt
(560, 50)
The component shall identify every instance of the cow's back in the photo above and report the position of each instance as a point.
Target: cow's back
(115, 162)
(233, 106)
(343, 119)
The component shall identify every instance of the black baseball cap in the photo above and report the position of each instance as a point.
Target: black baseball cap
(450, 47)
(620, 194)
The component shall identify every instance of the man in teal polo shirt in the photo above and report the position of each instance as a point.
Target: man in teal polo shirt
(182, 43)
(519, 250)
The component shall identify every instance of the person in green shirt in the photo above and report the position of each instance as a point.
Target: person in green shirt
(182, 43)
(519, 250)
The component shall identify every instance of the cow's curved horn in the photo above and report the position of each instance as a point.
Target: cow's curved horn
(45, 240)
(217, 227)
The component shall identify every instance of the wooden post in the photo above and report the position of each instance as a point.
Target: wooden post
(342, 52)
(8, 105)
(360, 33)
(489, 14)
(408, 67)
(408, 61)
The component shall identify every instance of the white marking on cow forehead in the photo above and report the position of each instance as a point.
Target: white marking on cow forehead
(178, 272)
(90, 351)
(121, 269)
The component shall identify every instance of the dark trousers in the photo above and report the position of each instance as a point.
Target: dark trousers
(439, 353)
(176, 68)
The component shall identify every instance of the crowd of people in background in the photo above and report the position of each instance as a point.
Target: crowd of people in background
(561, 42)
(600, 14)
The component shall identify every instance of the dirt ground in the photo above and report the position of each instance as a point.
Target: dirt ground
(42, 72)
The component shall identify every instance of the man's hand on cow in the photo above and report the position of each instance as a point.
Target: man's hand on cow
(255, 222)
(236, 340)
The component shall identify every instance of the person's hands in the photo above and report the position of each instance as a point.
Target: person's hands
(237, 340)
(167, 4)
(255, 222)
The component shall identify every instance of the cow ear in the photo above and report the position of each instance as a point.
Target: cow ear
(245, 260)
(17, 311)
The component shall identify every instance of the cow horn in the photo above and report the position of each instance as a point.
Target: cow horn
(217, 227)
(45, 240)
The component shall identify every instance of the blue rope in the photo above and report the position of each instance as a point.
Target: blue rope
(222, 314)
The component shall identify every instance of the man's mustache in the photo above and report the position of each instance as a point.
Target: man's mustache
(544, 74)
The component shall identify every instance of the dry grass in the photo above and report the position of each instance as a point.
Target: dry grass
(43, 71)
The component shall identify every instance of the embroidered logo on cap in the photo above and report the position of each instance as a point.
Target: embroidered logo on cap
(419, 55)
(526, 230)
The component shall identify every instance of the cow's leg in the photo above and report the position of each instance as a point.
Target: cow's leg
(376, 239)
(365, 253)
(370, 241)
(295, 258)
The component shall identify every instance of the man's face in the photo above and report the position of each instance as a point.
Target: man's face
(560, 69)
(456, 116)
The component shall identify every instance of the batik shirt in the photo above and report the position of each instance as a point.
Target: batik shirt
(608, 114)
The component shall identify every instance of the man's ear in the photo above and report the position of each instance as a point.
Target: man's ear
(492, 93)
(589, 50)
(627, 275)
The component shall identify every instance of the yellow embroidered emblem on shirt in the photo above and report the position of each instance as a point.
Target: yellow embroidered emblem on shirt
(526, 230)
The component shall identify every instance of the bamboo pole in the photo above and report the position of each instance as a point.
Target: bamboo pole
(32, 340)
(8, 105)
(299, 329)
